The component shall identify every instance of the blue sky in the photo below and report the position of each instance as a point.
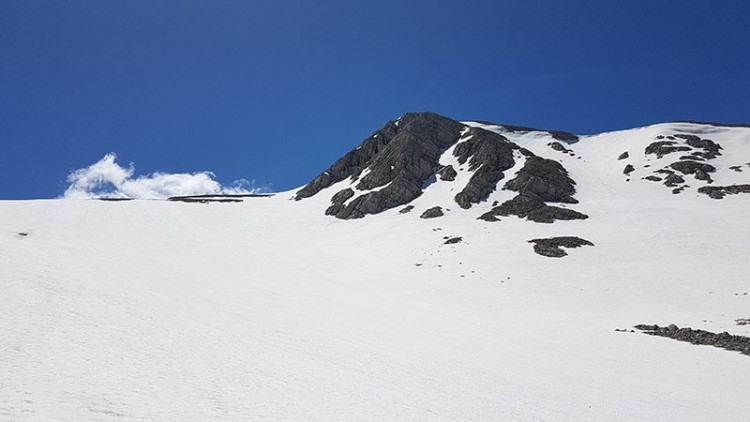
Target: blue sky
(275, 91)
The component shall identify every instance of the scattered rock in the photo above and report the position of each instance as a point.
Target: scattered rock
(723, 340)
(662, 148)
(736, 168)
(719, 192)
(678, 190)
(628, 169)
(653, 178)
(453, 240)
(406, 209)
(692, 167)
(551, 247)
(433, 212)
(558, 147)
(673, 180)
(623, 156)
(447, 173)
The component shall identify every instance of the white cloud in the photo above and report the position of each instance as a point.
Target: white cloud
(107, 179)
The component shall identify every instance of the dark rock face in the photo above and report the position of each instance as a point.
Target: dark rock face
(532, 208)
(337, 201)
(453, 240)
(723, 340)
(540, 180)
(544, 178)
(709, 147)
(447, 173)
(558, 147)
(653, 178)
(402, 156)
(489, 155)
(551, 247)
(628, 169)
(719, 192)
(406, 209)
(691, 167)
(353, 162)
(623, 156)
(673, 180)
(662, 148)
(433, 212)
(564, 136)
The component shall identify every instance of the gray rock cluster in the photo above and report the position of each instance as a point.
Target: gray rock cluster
(723, 340)
(719, 192)
(433, 212)
(551, 247)
(402, 158)
(539, 181)
(489, 155)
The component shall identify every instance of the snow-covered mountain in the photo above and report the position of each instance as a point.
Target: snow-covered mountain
(400, 284)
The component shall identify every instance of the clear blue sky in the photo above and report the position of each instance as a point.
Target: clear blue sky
(277, 90)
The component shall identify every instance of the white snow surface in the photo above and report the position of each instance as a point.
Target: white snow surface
(269, 310)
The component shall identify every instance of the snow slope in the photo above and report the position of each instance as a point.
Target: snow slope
(269, 310)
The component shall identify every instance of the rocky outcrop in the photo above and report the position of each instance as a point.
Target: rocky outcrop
(719, 192)
(489, 155)
(433, 212)
(400, 159)
(551, 247)
(710, 148)
(447, 173)
(628, 169)
(539, 181)
(701, 337)
(338, 200)
(662, 148)
(692, 167)
(623, 156)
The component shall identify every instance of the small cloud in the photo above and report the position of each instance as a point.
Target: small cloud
(107, 179)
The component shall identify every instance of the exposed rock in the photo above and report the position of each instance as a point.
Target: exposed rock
(551, 247)
(205, 199)
(406, 209)
(400, 157)
(662, 148)
(433, 212)
(453, 240)
(710, 148)
(679, 190)
(673, 180)
(337, 201)
(558, 147)
(653, 178)
(560, 135)
(623, 156)
(544, 178)
(353, 162)
(702, 175)
(447, 173)
(628, 169)
(531, 206)
(701, 337)
(691, 167)
(488, 216)
(489, 155)
(719, 192)
(736, 168)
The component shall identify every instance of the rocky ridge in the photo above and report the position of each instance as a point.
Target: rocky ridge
(399, 161)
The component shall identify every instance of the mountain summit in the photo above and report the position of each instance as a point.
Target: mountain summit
(423, 152)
